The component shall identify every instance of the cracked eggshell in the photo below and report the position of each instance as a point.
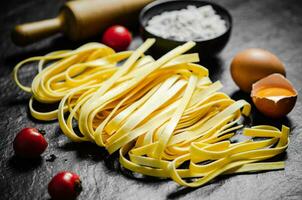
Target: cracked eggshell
(278, 107)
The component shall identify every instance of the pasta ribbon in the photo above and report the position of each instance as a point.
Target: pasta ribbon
(165, 117)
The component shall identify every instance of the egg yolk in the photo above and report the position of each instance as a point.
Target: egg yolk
(274, 92)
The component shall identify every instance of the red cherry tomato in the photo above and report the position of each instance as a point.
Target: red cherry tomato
(65, 185)
(117, 37)
(29, 143)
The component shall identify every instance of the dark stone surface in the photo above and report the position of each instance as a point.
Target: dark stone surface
(275, 25)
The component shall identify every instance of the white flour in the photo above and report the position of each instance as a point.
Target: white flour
(187, 24)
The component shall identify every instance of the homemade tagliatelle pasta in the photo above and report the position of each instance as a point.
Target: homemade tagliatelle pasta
(165, 117)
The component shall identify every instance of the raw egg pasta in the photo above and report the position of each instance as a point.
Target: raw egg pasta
(165, 117)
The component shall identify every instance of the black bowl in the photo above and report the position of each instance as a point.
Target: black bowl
(206, 48)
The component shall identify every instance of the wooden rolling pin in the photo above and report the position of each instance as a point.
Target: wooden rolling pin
(80, 19)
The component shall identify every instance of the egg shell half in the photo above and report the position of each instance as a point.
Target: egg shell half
(274, 108)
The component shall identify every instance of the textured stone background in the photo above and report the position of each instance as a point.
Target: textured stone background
(275, 25)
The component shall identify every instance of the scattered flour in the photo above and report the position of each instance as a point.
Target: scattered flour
(187, 24)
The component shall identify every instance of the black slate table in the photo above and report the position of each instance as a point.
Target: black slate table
(275, 25)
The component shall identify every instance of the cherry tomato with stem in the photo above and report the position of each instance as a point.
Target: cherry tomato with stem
(65, 185)
(30, 143)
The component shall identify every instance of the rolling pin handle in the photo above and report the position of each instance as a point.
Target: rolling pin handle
(28, 33)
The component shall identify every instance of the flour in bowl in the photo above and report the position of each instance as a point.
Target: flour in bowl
(187, 24)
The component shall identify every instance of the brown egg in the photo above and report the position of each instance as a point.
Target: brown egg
(251, 65)
(274, 96)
